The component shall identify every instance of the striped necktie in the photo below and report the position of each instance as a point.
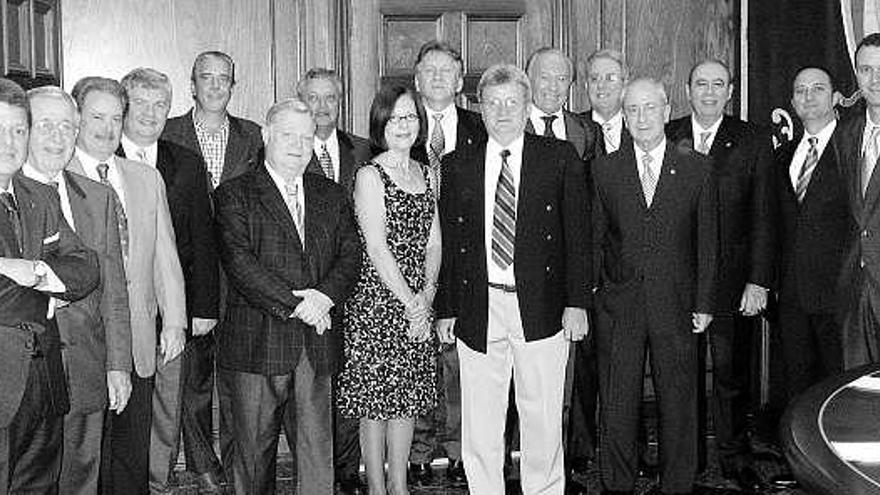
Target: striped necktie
(11, 214)
(803, 179)
(504, 219)
(121, 219)
(326, 163)
(704, 143)
(438, 146)
(291, 197)
(869, 160)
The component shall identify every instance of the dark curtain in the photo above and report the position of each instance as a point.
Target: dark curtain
(785, 35)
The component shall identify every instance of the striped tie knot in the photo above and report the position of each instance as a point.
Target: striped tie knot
(504, 216)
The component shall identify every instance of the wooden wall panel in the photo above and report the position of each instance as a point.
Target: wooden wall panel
(111, 37)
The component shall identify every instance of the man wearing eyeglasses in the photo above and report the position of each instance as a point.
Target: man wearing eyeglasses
(514, 284)
(607, 73)
(741, 156)
(439, 72)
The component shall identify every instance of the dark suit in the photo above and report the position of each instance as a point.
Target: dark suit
(551, 261)
(584, 135)
(353, 151)
(32, 378)
(243, 153)
(262, 349)
(860, 275)
(185, 400)
(625, 136)
(655, 266)
(468, 130)
(812, 244)
(742, 160)
(95, 334)
(242, 148)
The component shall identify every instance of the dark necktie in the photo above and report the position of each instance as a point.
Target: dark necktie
(121, 219)
(504, 217)
(548, 125)
(10, 225)
(806, 171)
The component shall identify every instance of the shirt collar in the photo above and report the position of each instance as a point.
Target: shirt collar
(538, 114)
(656, 153)
(131, 148)
(615, 120)
(329, 142)
(698, 129)
(493, 148)
(199, 124)
(280, 182)
(823, 135)
(31, 172)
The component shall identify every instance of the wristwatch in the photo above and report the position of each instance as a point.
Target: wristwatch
(41, 271)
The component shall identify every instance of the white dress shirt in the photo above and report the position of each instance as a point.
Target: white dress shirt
(612, 130)
(657, 154)
(449, 123)
(493, 169)
(800, 153)
(132, 149)
(90, 166)
(300, 196)
(538, 123)
(332, 144)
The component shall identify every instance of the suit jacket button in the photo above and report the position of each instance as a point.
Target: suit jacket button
(864, 233)
(862, 263)
(460, 219)
(464, 281)
(547, 269)
(462, 250)
(549, 207)
(549, 237)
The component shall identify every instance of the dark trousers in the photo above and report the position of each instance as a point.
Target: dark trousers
(346, 446)
(81, 460)
(585, 392)
(30, 446)
(731, 343)
(861, 331)
(622, 341)
(300, 402)
(197, 380)
(811, 348)
(125, 464)
(443, 424)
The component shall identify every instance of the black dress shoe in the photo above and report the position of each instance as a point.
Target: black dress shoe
(420, 474)
(749, 481)
(455, 472)
(208, 483)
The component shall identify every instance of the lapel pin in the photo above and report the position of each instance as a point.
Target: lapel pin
(671, 171)
(728, 144)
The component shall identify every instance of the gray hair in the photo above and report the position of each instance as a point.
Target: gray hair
(549, 50)
(318, 73)
(609, 54)
(499, 74)
(653, 83)
(293, 104)
(147, 78)
(53, 92)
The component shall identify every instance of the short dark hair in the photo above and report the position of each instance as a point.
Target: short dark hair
(382, 109)
(200, 58)
(86, 85)
(872, 39)
(440, 46)
(12, 94)
(318, 73)
(822, 68)
(711, 61)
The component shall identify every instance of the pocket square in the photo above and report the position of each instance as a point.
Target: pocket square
(52, 238)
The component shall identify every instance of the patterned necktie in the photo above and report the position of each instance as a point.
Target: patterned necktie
(803, 179)
(504, 217)
(704, 143)
(11, 214)
(121, 219)
(291, 197)
(548, 125)
(326, 163)
(607, 130)
(869, 160)
(438, 146)
(649, 180)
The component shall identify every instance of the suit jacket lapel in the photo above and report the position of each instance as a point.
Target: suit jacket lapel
(474, 185)
(465, 131)
(529, 127)
(575, 133)
(786, 154)
(271, 199)
(234, 148)
(163, 158)
(665, 177)
(316, 206)
(346, 158)
(629, 173)
(76, 196)
(722, 138)
(32, 222)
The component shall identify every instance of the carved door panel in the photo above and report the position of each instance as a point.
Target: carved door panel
(386, 36)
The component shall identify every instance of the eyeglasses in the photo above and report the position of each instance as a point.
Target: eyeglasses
(496, 104)
(408, 118)
(612, 77)
(65, 129)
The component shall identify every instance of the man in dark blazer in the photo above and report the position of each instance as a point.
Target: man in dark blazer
(858, 138)
(815, 224)
(607, 73)
(40, 256)
(551, 73)
(337, 154)
(513, 303)
(742, 159)
(182, 398)
(229, 146)
(439, 72)
(96, 330)
(291, 262)
(655, 236)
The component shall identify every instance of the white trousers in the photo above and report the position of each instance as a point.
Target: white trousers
(538, 370)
